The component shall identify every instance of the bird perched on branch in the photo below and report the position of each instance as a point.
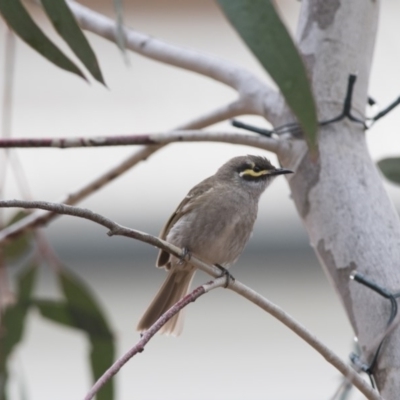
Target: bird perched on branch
(213, 222)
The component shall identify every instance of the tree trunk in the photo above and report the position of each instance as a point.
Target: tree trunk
(351, 222)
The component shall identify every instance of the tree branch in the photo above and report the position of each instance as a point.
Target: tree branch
(254, 97)
(146, 336)
(236, 286)
(37, 218)
(252, 91)
(261, 142)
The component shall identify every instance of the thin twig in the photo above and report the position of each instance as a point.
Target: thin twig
(148, 139)
(146, 336)
(238, 287)
(41, 218)
(254, 98)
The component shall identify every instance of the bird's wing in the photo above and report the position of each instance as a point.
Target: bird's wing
(186, 205)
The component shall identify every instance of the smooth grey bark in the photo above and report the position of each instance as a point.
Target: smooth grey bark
(350, 220)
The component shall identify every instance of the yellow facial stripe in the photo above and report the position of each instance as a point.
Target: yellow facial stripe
(250, 172)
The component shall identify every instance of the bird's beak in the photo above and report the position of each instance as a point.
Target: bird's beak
(281, 171)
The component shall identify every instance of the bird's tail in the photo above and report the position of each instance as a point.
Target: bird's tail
(175, 287)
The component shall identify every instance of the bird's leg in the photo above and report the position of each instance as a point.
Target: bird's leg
(227, 274)
(185, 256)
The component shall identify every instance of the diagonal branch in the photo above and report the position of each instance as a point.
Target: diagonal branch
(236, 286)
(258, 97)
(261, 142)
(146, 336)
(254, 97)
(42, 217)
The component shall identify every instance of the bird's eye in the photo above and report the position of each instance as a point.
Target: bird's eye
(256, 169)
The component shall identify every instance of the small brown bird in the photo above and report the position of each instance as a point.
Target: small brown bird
(213, 222)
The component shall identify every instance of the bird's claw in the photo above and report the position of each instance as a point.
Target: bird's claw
(185, 256)
(227, 274)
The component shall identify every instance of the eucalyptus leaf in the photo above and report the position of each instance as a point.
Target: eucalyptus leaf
(101, 358)
(390, 167)
(19, 20)
(259, 25)
(80, 310)
(14, 315)
(102, 348)
(12, 323)
(56, 311)
(84, 308)
(65, 24)
(87, 315)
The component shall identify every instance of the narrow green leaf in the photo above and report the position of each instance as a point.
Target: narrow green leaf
(24, 26)
(88, 316)
(102, 347)
(259, 25)
(83, 306)
(21, 245)
(12, 330)
(12, 323)
(14, 316)
(56, 311)
(3, 383)
(101, 358)
(65, 24)
(390, 167)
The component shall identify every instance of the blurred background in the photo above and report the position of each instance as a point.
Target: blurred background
(229, 349)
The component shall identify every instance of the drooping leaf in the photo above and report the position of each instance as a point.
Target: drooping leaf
(25, 27)
(101, 358)
(88, 316)
(12, 327)
(81, 311)
(14, 315)
(65, 24)
(12, 323)
(101, 347)
(84, 308)
(390, 167)
(261, 28)
(19, 246)
(56, 311)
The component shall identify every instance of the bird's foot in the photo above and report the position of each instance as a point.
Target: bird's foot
(185, 256)
(227, 274)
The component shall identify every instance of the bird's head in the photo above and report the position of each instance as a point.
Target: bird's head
(252, 172)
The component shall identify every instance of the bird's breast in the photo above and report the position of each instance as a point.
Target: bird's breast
(217, 235)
